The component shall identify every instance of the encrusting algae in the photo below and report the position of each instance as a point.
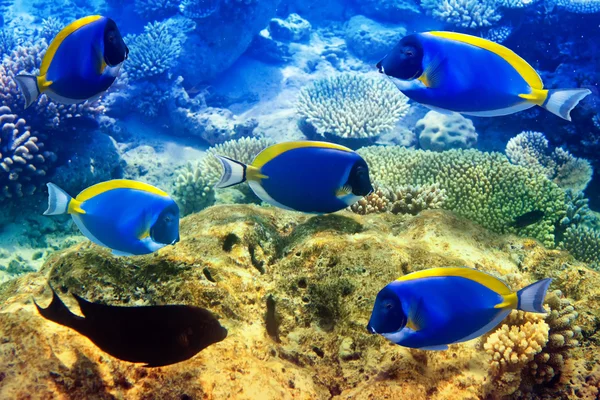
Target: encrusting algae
(295, 293)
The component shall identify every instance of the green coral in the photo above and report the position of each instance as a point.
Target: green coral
(484, 187)
(351, 106)
(583, 243)
(194, 182)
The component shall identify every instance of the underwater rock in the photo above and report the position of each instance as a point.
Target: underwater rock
(370, 40)
(217, 45)
(265, 49)
(292, 29)
(324, 273)
(439, 132)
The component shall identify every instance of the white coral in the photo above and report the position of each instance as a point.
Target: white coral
(352, 106)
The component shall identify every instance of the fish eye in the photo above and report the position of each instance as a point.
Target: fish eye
(388, 305)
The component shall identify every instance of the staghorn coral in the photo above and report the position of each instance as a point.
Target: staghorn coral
(484, 187)
(194, 183)
(351, 106)
(464, 13)
(532, 150)
(23, 162)
(583, 243)
(439, 132)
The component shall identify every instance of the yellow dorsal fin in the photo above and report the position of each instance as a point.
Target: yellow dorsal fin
(273, 151)
(118, 184)
(482, 278)
(520, 65)
(62, 35)
(75, 207)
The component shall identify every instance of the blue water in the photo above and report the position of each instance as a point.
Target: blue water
(201, 73)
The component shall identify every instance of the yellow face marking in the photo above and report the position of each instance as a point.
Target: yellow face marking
(271, 152)
(520, 65)
(482, 278)
(100, 188)
(57, 41)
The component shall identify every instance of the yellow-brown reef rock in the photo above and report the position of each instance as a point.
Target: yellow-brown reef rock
(323, 273)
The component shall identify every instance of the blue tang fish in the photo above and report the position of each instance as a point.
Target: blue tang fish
(448, 71)
(129, 217)
(312, 177)
(81, 62)
(433, 308)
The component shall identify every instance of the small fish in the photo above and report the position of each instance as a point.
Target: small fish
(449, 71)
(154, 335)
(129, 217)
(80, 64)
(433, 308)
(306, 176)
(530, 218)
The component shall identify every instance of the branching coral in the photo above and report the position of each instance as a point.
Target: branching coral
(50, 28)
(403, 200)
(531, 150)
(198, 9)
(512, 346)
(584, 244)
(194, 184)
(439, 132)
(23, 163)
(484, 187)
(352, 106)
(155, 51)
(464, 13)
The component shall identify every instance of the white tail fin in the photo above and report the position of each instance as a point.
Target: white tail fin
(234, 172)
(29, 88)
(58, 200)
(531, 298)
(562, 101)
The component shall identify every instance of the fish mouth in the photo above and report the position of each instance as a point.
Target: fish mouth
(371, 330)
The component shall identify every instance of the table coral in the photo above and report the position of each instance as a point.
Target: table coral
(484, 187)
(351, 106)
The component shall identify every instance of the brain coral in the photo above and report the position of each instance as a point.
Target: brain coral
(484, 187)
(352, 106)
(464, 13)
(439, 132)
(194, 184)
(532, 150)
(23, 163)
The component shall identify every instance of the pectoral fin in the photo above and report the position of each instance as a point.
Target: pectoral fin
(416, 316)
(434, 75)
(343, 191)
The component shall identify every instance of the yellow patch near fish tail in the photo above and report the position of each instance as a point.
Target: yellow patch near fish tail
(510, 301)
(520, 65)
(62, 35)
(537, 96)
(75, 207)
(42, 83)
(487, 280)
(273, 151)
(103, 187)
(254, 174)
